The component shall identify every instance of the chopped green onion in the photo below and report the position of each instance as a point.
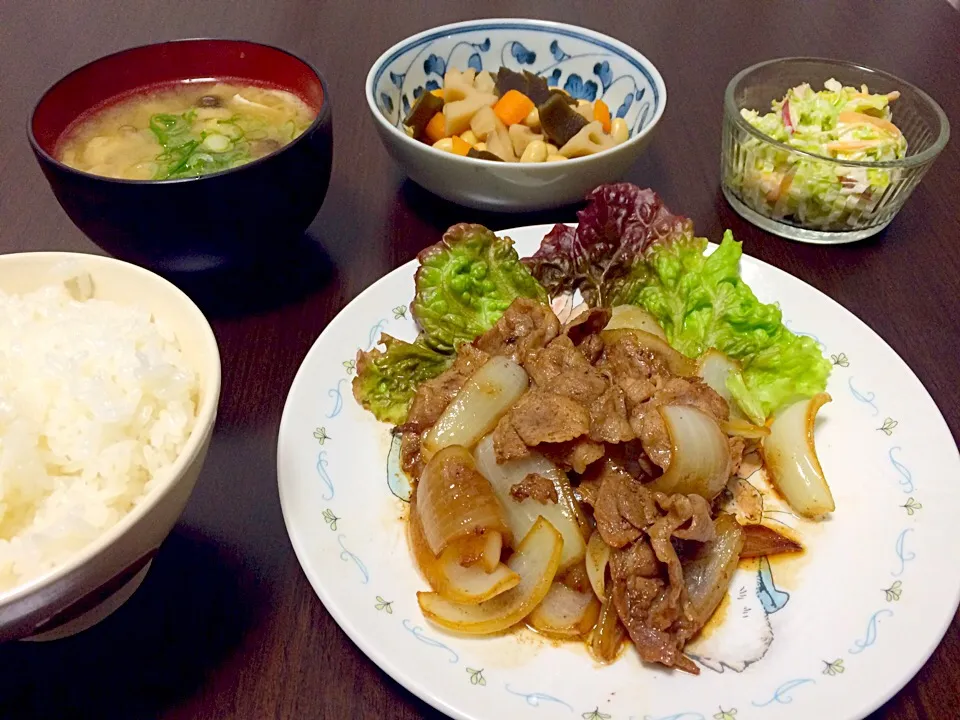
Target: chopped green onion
(214, 142)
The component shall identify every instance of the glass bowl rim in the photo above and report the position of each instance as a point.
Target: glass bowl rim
(732, 112)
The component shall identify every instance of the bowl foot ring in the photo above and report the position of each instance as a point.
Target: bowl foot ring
(96, 605)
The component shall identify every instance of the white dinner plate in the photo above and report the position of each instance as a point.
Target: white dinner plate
(832, 634)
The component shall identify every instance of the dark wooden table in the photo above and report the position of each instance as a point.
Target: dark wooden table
(226, 625)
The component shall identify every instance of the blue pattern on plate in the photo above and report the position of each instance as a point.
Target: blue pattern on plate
(786, 324)
(534, 699)
(417, 632)
(871, 635)
(397, 479)
(678, 716)
(324, 476)
(346, 556)
(781, 695)
(588, 68)
(906, 477)
(374, 337)
(903, 554)
(337, 394)
(867, 398)
(771, 597)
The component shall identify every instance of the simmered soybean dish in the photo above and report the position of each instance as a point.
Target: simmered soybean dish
(511, 117)
(185, 130)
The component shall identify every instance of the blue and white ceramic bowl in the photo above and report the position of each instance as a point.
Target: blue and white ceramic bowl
(585, 63)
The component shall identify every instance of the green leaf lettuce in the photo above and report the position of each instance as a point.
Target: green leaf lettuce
(702, 302)
(464, 284)
(387, 379)
(628, 248)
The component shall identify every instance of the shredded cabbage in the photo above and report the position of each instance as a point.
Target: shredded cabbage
(844, 123)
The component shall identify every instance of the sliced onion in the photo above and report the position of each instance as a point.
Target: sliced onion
(699, 457)
(471, 585)
(568, 498)
(483, 400)
(791, 458)
(455, 500)
(718, 371)
(707, 577)
(608, 634)
(449, 577)
(492, 548)
(676, 362)
(714, 367)
(482, 550)
(760, 541)
(564, 514)
(744, 429)
(636, 318)
(597, 559)
(536, 561)
(565, 612)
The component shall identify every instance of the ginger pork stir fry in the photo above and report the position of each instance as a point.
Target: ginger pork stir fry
(599, 406)
(583, 476)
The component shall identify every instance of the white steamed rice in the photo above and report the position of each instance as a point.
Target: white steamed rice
(96, 402)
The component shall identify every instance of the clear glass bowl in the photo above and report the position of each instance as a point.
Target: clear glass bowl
(866, 195)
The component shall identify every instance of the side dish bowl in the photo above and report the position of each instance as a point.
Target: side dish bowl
(199, 223)
(846, 200)
(586, 64)
(98, 578)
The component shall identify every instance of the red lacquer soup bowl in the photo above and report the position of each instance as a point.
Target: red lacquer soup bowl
(223, 219)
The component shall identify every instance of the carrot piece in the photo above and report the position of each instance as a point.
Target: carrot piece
(436, 129)
(854, 118)
(783, 188)
(851, 145)
(460, 146)
(601, 113)
(438, 92)
(513, 107)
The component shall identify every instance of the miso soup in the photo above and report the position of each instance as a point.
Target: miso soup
(183, 131)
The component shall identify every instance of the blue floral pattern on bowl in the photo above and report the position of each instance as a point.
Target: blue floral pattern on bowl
(587, 67)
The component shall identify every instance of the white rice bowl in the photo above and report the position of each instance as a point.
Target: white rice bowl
(96, 404)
